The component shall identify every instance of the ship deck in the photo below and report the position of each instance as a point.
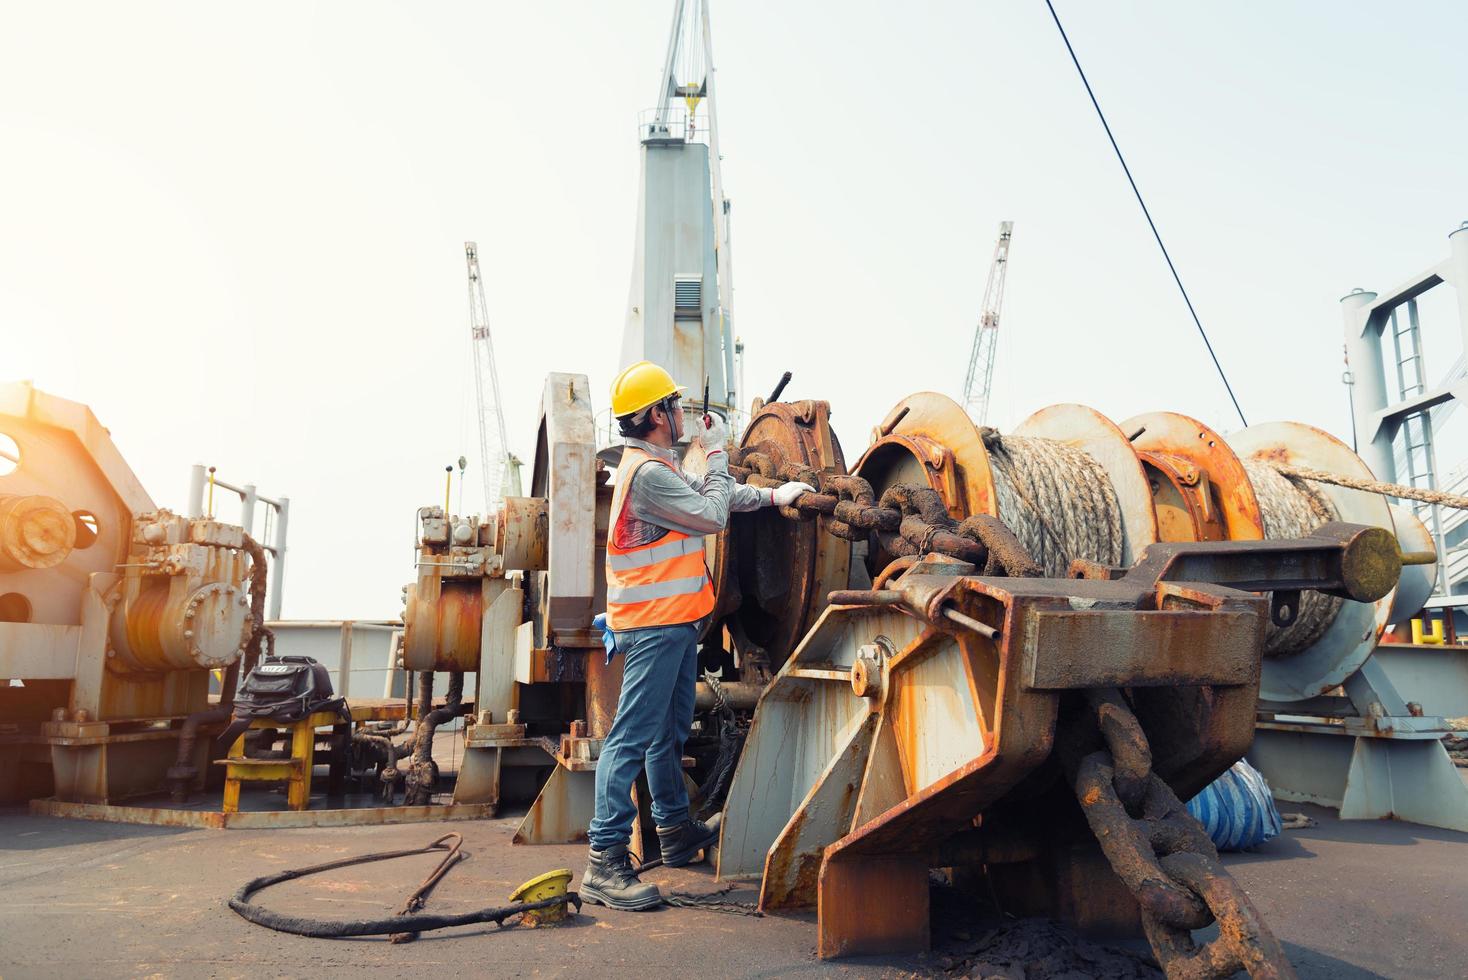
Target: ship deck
(90, 899)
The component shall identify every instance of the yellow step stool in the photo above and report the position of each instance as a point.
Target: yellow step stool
(295, 771)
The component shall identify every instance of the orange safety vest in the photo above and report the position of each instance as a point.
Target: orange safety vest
(663, 583)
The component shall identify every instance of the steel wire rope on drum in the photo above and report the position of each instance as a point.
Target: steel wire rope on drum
(1292, 508)
(1057, 500)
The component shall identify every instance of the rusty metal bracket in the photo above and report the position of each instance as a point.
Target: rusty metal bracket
(944, 705)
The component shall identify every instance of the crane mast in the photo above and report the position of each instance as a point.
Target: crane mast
(494, 457)
(680, 307)
(978, 383)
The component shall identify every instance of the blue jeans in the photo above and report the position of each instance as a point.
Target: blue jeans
(654, 715)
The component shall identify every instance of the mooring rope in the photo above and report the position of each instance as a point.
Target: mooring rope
(1374, 486)
(1291, 508)
(1057, 500)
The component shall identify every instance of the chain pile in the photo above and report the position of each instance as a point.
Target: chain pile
(907, 520)
(1160, 852)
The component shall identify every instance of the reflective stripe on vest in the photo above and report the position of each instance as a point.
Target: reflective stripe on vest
(657, 590)
(662, 583)
(661, 550)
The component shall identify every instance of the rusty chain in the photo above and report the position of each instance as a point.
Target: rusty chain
(907, 520)
(1162, 853)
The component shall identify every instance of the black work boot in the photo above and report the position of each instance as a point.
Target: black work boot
(682, 841)
(609, 880)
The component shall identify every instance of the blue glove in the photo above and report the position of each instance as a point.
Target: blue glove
(608, 638)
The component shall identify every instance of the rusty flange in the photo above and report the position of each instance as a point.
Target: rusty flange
(774, 582)
(928, 439)
(1200, 488)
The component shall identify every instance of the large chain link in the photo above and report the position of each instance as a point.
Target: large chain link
(908, 520)
(1162, 853)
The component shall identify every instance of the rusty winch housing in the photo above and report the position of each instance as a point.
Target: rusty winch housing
(1164, 477)
(112, 613)
(941, 640)
(924, 724)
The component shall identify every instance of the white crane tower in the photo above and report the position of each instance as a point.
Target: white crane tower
(979, 382)
(681, 305)
(501, 469)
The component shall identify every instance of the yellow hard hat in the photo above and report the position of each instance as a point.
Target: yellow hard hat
(642, 385)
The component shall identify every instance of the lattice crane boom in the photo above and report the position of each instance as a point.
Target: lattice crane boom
(494, 457)
(978, 383)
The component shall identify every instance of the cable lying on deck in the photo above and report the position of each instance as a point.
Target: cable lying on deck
(401, 927)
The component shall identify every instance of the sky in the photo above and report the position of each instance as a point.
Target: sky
(239, 239)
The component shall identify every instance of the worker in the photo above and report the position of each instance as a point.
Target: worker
(658, 595)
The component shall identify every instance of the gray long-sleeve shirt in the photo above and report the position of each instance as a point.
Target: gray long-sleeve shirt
(661, 498)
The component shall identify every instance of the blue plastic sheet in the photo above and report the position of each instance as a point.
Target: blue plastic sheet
(1237, 809)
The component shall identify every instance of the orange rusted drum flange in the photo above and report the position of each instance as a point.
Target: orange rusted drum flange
(929, 440)
(1199, 488)
(1088, 430)
(772, 575)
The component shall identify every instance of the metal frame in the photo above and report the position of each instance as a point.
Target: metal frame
(899, 722)
(1378, 418)
(277, 516)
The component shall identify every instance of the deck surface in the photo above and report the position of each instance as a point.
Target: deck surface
(87, 899)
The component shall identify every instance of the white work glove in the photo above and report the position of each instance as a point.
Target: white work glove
(711, 433)
(785, 495)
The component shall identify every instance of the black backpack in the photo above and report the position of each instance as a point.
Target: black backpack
(284, 689)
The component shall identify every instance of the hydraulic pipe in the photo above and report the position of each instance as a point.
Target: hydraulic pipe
(381, 746)
(423, 774)
(182, 774)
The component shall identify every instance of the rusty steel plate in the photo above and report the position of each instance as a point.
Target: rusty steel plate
(1088, 430)
(781, 571)
(1179, 435)
(1354, 634)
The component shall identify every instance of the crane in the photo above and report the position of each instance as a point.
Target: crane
(978, 384)
(501, 469)
(681, 304)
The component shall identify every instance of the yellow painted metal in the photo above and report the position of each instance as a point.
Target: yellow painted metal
(296, 771)
(552, 884)
(1420, 635)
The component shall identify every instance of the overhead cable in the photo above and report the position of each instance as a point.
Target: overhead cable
(1148, 214)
